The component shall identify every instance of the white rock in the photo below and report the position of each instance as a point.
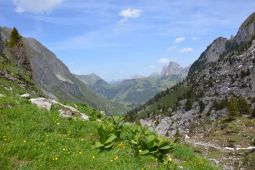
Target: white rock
(42, 103)
(27, 96)
(84, 117)
(187, 137)
(65, 113)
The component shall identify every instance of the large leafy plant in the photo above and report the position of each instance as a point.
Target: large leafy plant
(145, 142)
(107, 135)
(109, 131)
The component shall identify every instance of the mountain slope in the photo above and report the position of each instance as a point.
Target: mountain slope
(55, 79)
(214, 107)
(133, 92)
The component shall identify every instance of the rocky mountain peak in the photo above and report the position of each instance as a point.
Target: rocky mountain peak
(215, 49)
(247, 30)
(172, 69)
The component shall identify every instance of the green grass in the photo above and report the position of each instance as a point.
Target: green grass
(32, 138)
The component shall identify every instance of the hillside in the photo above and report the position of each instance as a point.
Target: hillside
(133, 92)
(41, 133)
(213, 103)
(54, 79)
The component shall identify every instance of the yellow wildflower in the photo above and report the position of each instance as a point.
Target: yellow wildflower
(80, 153)
(93, 157)
(170, 159)
(121, 146)
(116, 158)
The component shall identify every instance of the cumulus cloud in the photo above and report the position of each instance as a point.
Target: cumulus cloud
(164, 61)
(186, 50)
(179, 40)
(36, 6)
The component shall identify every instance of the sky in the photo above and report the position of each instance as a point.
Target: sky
(118, 39)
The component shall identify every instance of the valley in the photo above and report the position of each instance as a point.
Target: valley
(200, 117)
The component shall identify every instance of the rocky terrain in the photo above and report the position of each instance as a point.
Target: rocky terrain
(218, 91)
(136, 91)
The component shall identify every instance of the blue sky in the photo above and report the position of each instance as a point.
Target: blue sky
(118, 39)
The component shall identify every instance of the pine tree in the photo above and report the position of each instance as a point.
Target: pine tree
(15, 38)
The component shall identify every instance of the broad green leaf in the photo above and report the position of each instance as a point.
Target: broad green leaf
(111, 139)
(98, 145)
(167, 147)
(108, 146)
(144, 152)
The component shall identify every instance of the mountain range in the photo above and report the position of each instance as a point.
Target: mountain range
(54, 79)
(214, 107)
(136, 91)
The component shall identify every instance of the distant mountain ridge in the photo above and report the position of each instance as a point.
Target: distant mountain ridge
(136, 91)
(220, 81)
(55, 80)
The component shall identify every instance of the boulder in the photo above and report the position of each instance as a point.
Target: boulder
(65, 113)
(26, 96)
(42, 103)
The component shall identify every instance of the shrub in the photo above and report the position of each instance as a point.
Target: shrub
(188, 105)
(233, 108)
(201, 106)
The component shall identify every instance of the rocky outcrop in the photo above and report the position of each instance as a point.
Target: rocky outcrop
(65, 111)
(246, 31)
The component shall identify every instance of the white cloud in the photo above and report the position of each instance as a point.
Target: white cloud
(130, 13)
(186, 50)
(36, 6)
(179, 40)
(164, 61)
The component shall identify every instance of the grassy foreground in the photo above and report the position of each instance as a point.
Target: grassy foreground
(33, 138)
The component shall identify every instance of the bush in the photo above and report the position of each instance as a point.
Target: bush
(237, 106)
(201, 106)
(188, 105)
(233, 108)
(219, 105)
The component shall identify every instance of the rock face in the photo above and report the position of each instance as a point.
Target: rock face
(64, 112)
(247, 30)
(54, 79)
(136, 91)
